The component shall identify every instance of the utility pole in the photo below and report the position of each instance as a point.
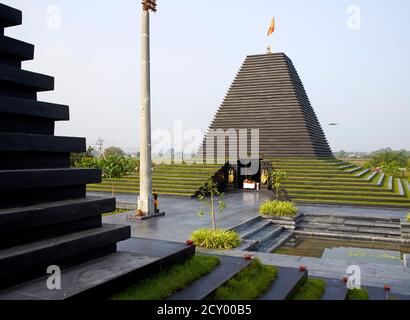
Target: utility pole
(145, 200)
(100, 144)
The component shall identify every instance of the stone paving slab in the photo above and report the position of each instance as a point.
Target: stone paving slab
(81, 278)
(287, 284)
(335, 289)
(135, 257)
(182, 219)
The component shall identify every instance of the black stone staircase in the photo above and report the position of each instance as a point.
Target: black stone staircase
(351, 227)
(46, 218)
(261, 235)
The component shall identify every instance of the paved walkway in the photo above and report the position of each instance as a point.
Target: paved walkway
(181, 217)
(182, 214)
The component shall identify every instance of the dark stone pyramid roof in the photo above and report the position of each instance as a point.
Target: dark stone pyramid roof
(268, 94)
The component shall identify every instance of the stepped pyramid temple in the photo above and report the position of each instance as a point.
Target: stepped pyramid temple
(267, 94)
(46, 218)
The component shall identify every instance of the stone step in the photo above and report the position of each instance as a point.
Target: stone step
(348, 166)
(15, 51)
(400, 187)
(381, 180)
(370, 177)
(9, 16)
(362, 193)
(335, 290)
(362, 173)
(320, 189)
(320, 227)
(273, 243)
(265, 233)
(22, 225)
(24, 81)
(350, 236)
(228, 268)
(21, 142)
(351, 203)
(47, 178)
(250, 227)
(375, 199)
(318, 182)
(34, 108)
(287, 284)
(354, 221)
(83, 280)
(353, 170)
(101, 277)
(29, 260)
(337, 217)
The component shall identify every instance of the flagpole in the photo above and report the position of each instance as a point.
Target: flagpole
(145, 199)
(270, 32)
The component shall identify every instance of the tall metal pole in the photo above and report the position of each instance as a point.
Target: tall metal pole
(145, 200)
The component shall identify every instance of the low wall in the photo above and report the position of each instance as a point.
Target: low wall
(405, 231)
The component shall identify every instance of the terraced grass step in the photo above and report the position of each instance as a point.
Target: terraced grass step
(352, 198)
(160, 178)
(304, 183)
(301, 200)
(183, 170)
(164, 183)
(320, 189)
(163, 193)
(156, 188)
(322, 176)
(318, 170)
(361, 193)
(310, 164)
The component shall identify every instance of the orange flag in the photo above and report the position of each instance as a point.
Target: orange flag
(272, 27)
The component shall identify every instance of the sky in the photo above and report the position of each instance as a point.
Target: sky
(352, 57)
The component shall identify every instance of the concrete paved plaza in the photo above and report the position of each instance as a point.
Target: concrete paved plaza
(182, 214)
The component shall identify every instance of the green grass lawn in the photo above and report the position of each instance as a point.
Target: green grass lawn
(312, 290)
(249, 284)
(161, 286)
(357, 294)
(118, 211)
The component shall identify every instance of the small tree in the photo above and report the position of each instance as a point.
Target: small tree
(114, 151)
(116, 167)
(276, 178)
(211, 195)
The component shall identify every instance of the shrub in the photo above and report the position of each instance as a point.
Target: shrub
(278, 208)
(357, 294)
(218, 239)
(398, 158)
(408, 217)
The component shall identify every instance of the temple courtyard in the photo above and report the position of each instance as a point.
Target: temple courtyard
(181, 220)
